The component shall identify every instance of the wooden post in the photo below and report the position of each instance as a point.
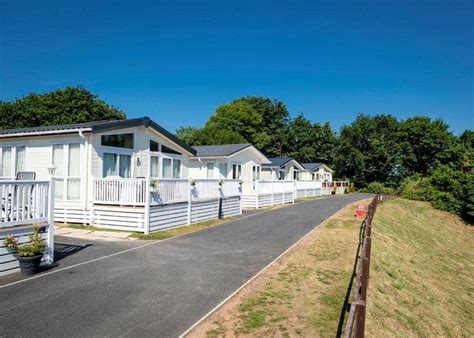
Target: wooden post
(50, 238)
(147, 205)
(360, 320)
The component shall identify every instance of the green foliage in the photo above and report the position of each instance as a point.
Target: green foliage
(368, 150)
(425, 143)
(311, 142)
(36, 246)
(379, 188)
(63, 106)
(446, 189)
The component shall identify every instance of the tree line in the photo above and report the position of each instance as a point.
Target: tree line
(378, 153)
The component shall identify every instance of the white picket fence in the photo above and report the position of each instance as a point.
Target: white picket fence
(22, 205)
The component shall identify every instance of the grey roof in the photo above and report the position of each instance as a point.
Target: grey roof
(220, 150)
(278, 161)
(313, 166)
(101, 126)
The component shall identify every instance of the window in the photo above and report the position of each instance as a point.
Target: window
(167, 173)
(165, 149)
(223, 170)
(13, 160)
(154, 166)
(176, 168)
(118, 140)
(281, 175)
(256, 172)
(236, 171)
(117, 165)
(66, 160)
(210, 170)
(154, 146)
(295, 175)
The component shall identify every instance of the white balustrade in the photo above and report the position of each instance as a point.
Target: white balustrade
(24, 202)
(122, 191)
(169, 191)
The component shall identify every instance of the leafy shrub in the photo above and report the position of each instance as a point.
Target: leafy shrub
(446, 189)
(379, 188)
(36, 246)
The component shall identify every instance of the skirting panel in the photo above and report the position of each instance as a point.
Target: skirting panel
(121, 218)
(71, 215)
(168, 216)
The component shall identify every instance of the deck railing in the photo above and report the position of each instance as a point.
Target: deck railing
(166, 191)
(125, 191)
(306, 185)
(24, 202)
(27, 203)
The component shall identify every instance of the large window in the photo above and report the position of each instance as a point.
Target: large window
(154, 166)
(236, 171)
(154, 146)
(117, 165)
(223, 170)
(256, 172)
(210, 170)
(281, 175)
(66, 160)
(167, 150)
(13, 160)
(118, 140)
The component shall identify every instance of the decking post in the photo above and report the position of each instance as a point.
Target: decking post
(50, 239)
(257, 189)
(272, 193)
(190, 188)
(147, 204)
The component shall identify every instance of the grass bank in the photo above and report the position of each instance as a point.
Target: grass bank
(301, 294)
(422, 273)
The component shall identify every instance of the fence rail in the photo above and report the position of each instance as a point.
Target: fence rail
(355, 326)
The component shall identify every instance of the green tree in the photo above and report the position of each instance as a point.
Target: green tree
(368, 150)
(275, 118)
(426, 143)
(190, 135)
(310, 142)
(63, 106)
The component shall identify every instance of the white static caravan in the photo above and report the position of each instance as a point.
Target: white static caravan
(283, 169)
(318, 172)
(128, 174)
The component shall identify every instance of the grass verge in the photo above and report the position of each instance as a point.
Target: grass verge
(422, 273)
(181, 230)
(87, 227)
(301, 294)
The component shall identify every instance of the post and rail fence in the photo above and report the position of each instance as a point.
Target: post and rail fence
(355, 326)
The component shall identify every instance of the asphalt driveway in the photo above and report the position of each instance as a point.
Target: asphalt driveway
(155, 288)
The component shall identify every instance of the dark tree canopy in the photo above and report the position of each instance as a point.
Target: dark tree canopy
(63, 106)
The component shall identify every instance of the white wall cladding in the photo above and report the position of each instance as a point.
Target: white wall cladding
(302, 193)
(8, 263)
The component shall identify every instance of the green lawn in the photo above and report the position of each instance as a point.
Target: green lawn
(422, 273)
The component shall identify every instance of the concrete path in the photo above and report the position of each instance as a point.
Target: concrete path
(156, 288)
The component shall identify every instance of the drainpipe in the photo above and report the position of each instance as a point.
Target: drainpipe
(86, 146)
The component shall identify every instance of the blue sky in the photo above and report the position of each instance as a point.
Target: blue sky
(176, 61)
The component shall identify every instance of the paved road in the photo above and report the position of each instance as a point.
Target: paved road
(160, 289)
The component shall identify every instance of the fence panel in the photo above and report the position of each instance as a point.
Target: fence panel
(124, 191)
(165, 191)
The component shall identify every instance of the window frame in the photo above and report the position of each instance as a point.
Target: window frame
(238, 172)
(65, 176)
(13, 169)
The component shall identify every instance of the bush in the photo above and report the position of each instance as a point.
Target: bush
(379, 188)
(446, 189)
